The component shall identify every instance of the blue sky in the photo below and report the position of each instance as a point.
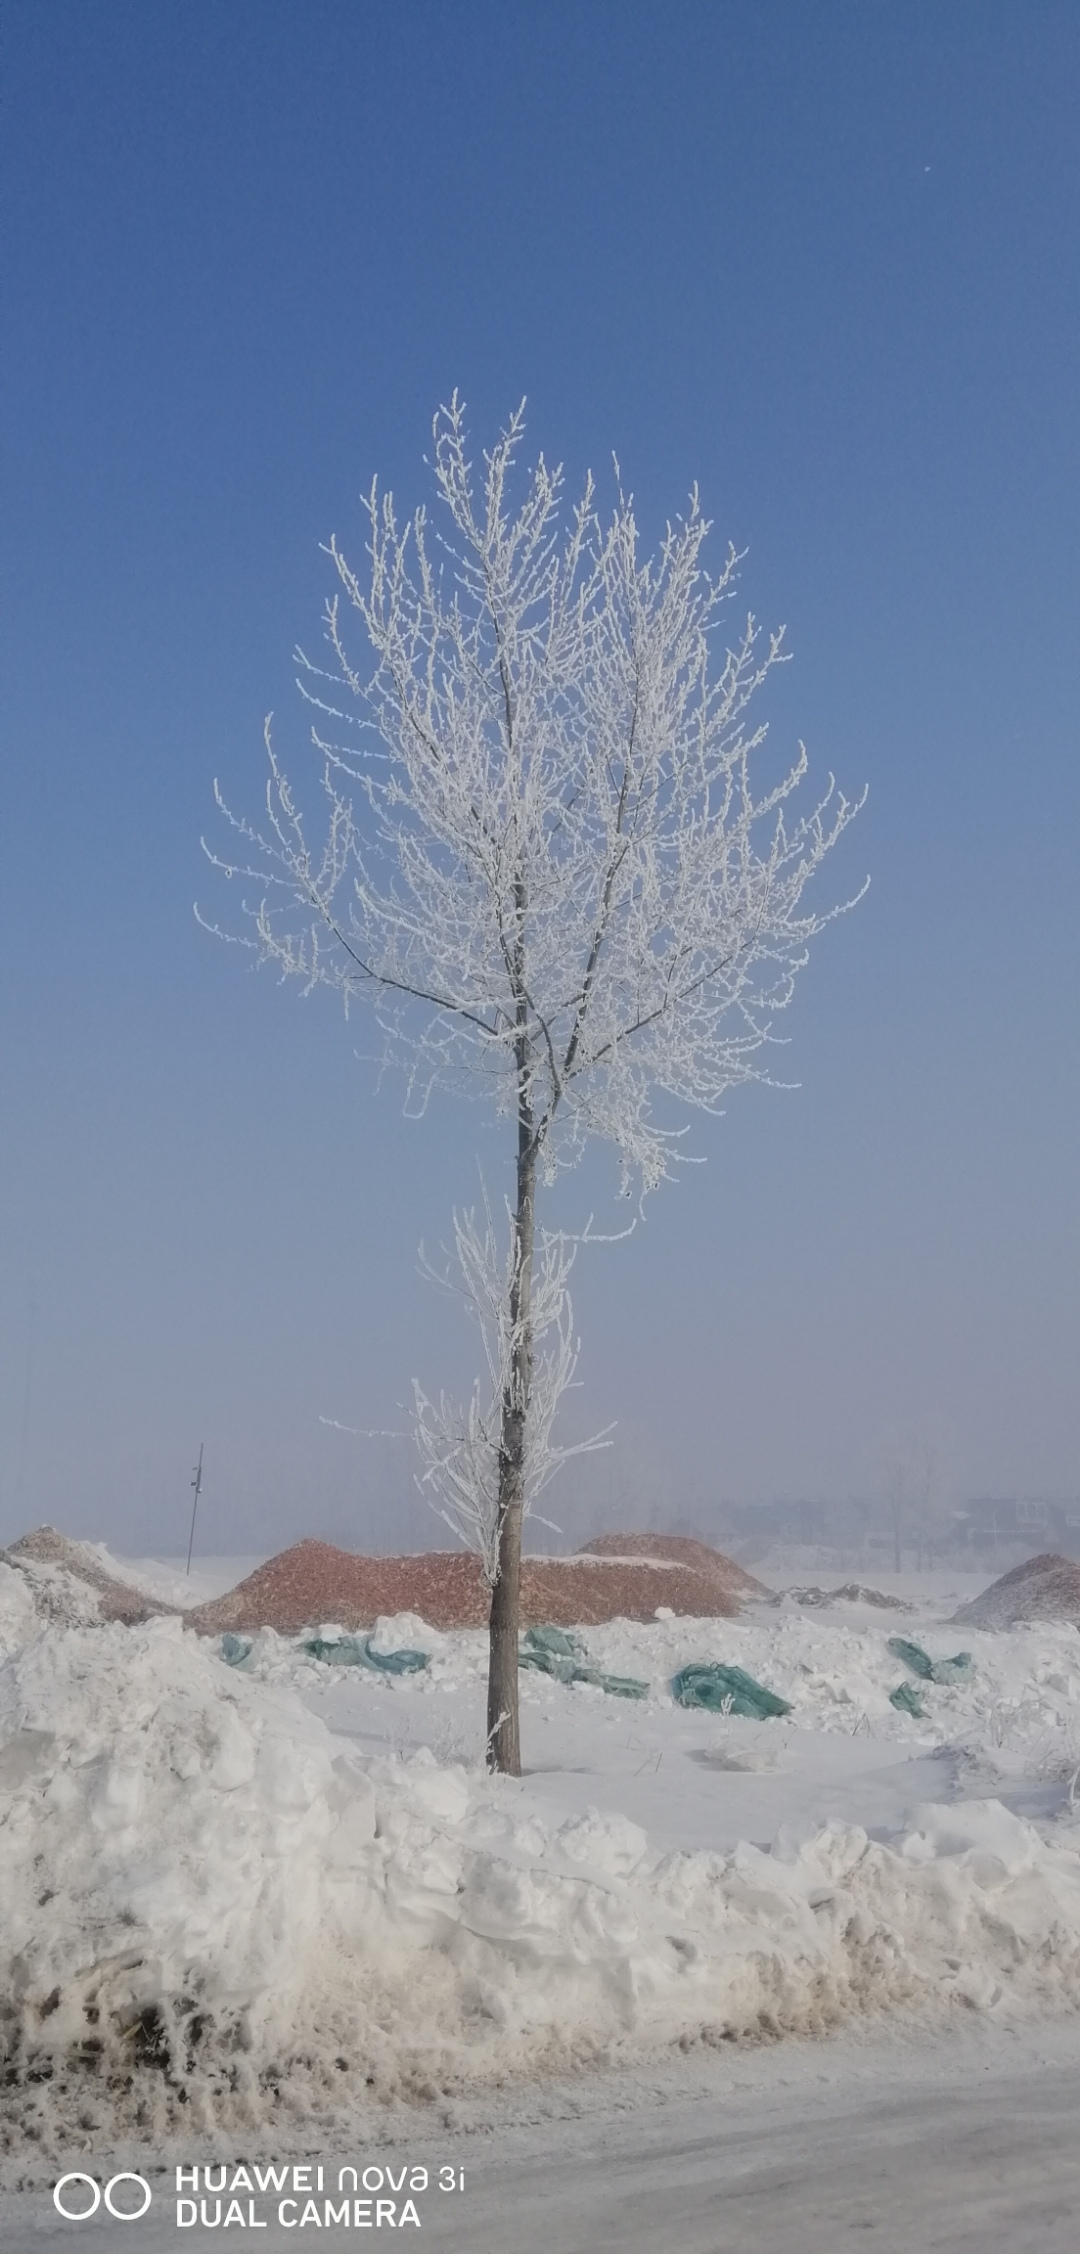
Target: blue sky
(823, 260)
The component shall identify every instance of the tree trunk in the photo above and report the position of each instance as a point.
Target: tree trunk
(503, 1733)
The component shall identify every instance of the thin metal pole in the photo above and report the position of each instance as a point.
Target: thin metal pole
(197, 1484)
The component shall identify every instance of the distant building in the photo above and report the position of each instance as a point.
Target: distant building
(860, 1532)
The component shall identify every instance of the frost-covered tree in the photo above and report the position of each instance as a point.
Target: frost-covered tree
(546, 859)
(460, 1445)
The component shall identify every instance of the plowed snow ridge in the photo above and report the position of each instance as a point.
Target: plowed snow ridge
(217, 1914)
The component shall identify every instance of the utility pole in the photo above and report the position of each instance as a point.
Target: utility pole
(197, 1484)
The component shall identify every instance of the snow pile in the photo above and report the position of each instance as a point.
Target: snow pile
(32, 1591)
(170, 1587)
(217, 1913)
(1042, 1588)
(19, 1612)
(59, 1570)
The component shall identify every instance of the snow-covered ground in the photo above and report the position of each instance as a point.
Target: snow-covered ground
(246, 1906)
(698, 1781)
(168, 1578)
(961, 2145)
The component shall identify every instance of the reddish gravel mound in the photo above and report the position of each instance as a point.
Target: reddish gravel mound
(1042, 1588)
(116, 1599)
(680, 1549)
(314, 1582)
(594, 1586)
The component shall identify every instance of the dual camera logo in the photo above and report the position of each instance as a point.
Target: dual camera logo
(77, 2206)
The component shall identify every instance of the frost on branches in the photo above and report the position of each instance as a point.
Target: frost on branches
(545, 858)
(460, 1445)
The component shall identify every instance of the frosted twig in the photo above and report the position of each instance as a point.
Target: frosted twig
(459, 1443)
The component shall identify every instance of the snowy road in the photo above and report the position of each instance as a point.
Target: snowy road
(953, 2174)
(974, 2157)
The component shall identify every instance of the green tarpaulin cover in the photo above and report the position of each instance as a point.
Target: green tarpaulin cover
(356, 1651)
(553, 1652)
(342, 1651)
(235, 1649)
(930, 1670)
(726, 1690)
(559, 1641)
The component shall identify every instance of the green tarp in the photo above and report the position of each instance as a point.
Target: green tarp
(930, 1670)
(235, 1649)
(561, 1642)
(341, 1651)
(726, 1690)
(356, 1651)
(553, 1652)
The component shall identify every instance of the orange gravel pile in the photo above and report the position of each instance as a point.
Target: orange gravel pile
(313, 1582)
(680, 1549)
(1042, 1588)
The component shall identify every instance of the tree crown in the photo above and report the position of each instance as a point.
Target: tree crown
(545, 859)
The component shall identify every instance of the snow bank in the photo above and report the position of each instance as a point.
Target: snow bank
(34, 1591)
(18, 1612)
(218, 1914)
(62, 1575)
(1022, 1695)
